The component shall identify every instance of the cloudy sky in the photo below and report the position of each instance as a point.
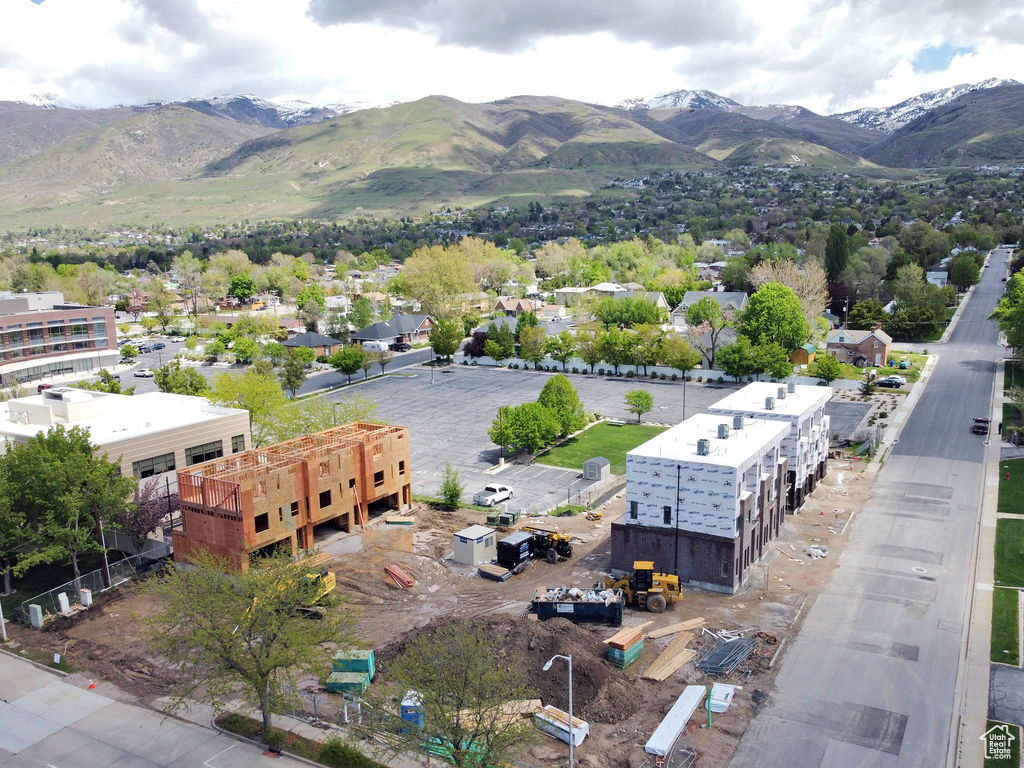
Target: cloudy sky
(826, 55)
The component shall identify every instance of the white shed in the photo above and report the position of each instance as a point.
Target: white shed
(474, 545)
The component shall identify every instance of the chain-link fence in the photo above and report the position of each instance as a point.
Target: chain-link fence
(153, 553)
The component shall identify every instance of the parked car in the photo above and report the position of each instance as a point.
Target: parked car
(177, 339)
(41, 387)
(401, 346)
(493, 494)
(144, 373)
(143, 348)
(980, 426)
(158, 345)
(889, 383)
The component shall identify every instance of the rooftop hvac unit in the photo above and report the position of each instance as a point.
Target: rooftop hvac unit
(723, 431)
(703, 447)
(782, 393)
(737, 422)
(791, 387)
(769, 403)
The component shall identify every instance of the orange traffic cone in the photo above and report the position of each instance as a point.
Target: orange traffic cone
(91, 685)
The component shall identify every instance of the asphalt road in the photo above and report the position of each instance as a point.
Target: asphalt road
(45, 721)
(871, 678)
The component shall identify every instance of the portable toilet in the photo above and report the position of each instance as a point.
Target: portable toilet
(474, 545)
(412, 709)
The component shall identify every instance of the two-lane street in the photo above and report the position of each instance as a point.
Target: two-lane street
(871, 678)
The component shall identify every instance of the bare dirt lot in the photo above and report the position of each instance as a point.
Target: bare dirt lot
(106, 643)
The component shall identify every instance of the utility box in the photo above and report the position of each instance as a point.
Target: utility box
(597, 468)
(474, 545)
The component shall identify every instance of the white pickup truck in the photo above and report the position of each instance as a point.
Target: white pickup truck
(493, 494)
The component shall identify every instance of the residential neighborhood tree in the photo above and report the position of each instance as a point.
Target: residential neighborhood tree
(773, 315)
(161, 303)
(647, 343)
(588, 347)
(245, 349)
(616, 347)
(532, 343)
(465, 694)
(105, 383)
(737, 359)
(676, 353)
(707, 320)
(826, 368)
(445, 337)
(964, 272)
(361, 314)
(189, 272)
(382, 358)
(303, 417)
(627, 311)
(866, 314)
(528, 427)
(639, 401)
(501, 335)
(837, 252)
(293, 371)
(13, 529)
(311, 303)
(561, 347)
(772, 360)
(146, 511)
(242, 287)
(348, 360)
(256, 391)
(560, 397)
(241, 636)
(182, 381)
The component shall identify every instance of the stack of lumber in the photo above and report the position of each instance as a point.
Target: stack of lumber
(555, 722)
(672, 658)
(681, 626)
(401, 578)
(495, 572)
(626, 645)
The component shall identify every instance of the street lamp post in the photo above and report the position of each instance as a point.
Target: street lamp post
(572, 736)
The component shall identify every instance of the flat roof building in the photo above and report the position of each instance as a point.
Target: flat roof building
(703, 500)
(41, 336)
(802, 407)
(256, 500)
(152, 434)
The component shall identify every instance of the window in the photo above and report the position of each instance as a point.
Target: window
(261, 487)
(205, 452)
(262, 522)
(489, 541)
(378, 450)
(876, 344)
(238, 443)
(295, 508)
(666, 514)
(725, 569)
(325, 468)
(633, 509)
(351, 482)
(325, 499)
(378, 478)
(153, 466)
(401, 467)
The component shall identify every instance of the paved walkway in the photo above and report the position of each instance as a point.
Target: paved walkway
(47, 721)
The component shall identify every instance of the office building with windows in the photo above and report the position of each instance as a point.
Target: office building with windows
(150, 435)
(274, 497)
(41, 336)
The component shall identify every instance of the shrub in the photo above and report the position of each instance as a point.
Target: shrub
(600, 371)
(465, 362)
(336, 753)
(473, 363)
(662, 376)
(629, 374)
(674, 377)
(321, 358)
(575, 370)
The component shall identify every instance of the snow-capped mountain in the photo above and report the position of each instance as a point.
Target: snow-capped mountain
(682, 99)
(893, 118)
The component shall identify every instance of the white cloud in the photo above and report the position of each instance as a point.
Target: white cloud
(825, 55)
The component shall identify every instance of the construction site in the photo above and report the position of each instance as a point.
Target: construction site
(397, 572)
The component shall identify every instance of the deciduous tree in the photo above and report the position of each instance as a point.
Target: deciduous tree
(826, 368)
(445, 337)
(293, 371)
(255, 391)
(639, 401)
(561, 347)
(532, 343)
(773, 316)
(560, 397)
(243, 634)
(707, 320)
(182, 381)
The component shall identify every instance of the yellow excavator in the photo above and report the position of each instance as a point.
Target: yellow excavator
(645, 588)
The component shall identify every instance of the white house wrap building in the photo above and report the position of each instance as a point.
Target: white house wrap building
(806, 444)
(703, 499)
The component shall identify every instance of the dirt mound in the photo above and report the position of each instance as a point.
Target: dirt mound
(602, 693)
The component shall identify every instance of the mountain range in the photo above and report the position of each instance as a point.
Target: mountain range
(234, 157)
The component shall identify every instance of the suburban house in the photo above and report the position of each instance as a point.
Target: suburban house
(413, 329)
(938, 277)
(260, 499)
(42, 336)
(803, 355)
(552, 312)
(476, 301)
(148, 435)
(730, 301)
(514, 307)
(323, 346)
(704, 500)
(805, 446)
(859, 347)
(607, 290)
(572, 296)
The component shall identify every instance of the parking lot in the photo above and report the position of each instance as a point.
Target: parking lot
(449, 419)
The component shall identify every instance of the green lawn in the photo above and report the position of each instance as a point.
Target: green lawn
(605, 439)
(1005, 624)
(1009, 571)
(1014, 759)
(1011, 491)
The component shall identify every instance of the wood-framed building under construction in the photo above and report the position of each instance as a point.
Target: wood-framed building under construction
(234, 506)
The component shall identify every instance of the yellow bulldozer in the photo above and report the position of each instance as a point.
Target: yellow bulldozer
(645, 588)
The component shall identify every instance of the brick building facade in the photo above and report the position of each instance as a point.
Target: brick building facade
(276, 496)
